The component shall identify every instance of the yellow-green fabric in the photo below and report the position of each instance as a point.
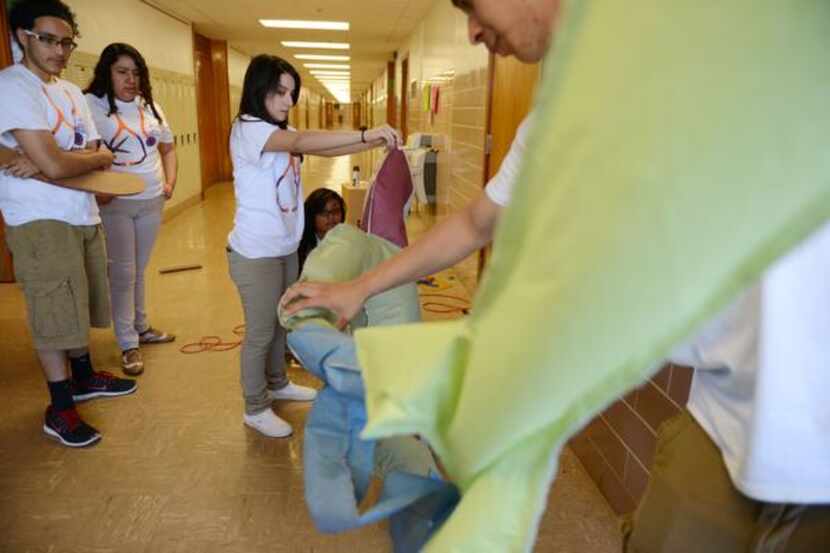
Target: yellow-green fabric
(679, 148)
(344, 254)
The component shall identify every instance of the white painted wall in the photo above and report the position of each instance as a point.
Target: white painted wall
(237, 65)
(164, 42)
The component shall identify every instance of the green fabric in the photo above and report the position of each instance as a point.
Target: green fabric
(680, 147)
(345, 253)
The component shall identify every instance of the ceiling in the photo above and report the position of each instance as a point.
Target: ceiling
(378, 27)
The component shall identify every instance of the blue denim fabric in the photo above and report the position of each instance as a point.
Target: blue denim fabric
(338, 465)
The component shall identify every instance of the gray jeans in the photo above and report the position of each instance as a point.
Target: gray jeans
(132, 227)
(261, 283)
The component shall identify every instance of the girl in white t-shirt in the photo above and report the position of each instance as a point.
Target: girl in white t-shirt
(134, 128)
(268, 225)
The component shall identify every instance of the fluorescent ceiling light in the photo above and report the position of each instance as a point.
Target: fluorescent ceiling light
(321, 57)
(320, 45)
(300, 24)
(329, 72)
(326, 66)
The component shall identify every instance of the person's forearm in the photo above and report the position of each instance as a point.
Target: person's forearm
(72, 164)
(352, 149)
(170, 164)
(311, 142)
(443, 246)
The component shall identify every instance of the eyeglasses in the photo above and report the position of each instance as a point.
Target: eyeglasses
(52, 41)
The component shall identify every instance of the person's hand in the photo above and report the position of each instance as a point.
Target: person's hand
(21, 167)
(103, 199)
(168, 190)
(390, 136)
(105, 158)
(345, 299)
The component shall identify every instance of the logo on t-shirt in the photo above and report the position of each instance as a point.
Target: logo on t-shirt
(72, 123)
(131, 147)
(292, 197)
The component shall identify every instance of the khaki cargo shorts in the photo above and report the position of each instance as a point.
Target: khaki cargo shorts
(63, 271)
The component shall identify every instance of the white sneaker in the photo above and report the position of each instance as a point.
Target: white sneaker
(268, 423)
(294, 392)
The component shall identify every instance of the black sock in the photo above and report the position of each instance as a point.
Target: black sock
(61, 393)
(81, 368)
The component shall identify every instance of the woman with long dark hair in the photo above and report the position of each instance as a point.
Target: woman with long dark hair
(133, 126)
(269, 222)
(324, 210)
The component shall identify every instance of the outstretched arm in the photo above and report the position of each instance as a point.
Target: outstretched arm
(314, 142)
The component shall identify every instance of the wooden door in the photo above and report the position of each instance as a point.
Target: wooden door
(205, 98)
(512, 90)
(404, 121)
(6, 268)
(210, 59)
(356, 115)
(222, 107)
(511, 94)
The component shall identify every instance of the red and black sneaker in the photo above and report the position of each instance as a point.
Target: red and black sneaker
(68, 428)
(102, 384)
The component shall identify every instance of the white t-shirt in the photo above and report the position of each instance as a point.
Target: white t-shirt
(59, 107)
(500, 187)
(763, 377)
(133, 134)
(269, 200)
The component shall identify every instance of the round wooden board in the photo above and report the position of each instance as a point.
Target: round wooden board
(104, 182)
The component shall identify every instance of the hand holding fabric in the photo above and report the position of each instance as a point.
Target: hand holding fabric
(390, 136)
(345, 299)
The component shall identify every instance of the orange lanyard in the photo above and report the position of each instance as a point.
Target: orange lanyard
(78, 138)
(147, 141)
(294, 166)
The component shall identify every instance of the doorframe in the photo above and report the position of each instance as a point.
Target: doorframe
(484, 252)
(391, 104)
(6, 266)
(404, 123)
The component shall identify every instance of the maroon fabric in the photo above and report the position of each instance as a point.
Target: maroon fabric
(383, 211)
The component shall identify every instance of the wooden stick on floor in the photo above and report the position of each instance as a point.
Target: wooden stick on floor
(178, 268)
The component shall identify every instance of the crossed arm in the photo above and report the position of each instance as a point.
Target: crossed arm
(40, 154)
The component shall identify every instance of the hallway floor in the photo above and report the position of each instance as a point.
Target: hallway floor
(176, 471)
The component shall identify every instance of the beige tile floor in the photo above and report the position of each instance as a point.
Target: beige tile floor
(176, 470)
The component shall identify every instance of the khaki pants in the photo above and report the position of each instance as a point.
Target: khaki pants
(261, 283)
(132, 227)
(63, 271)
(691, 505)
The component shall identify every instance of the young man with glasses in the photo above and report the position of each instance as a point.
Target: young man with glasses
(55, 233)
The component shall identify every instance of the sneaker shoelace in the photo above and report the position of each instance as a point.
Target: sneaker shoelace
(99, 379)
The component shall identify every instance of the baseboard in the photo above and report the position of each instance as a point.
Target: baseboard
(181, 207)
